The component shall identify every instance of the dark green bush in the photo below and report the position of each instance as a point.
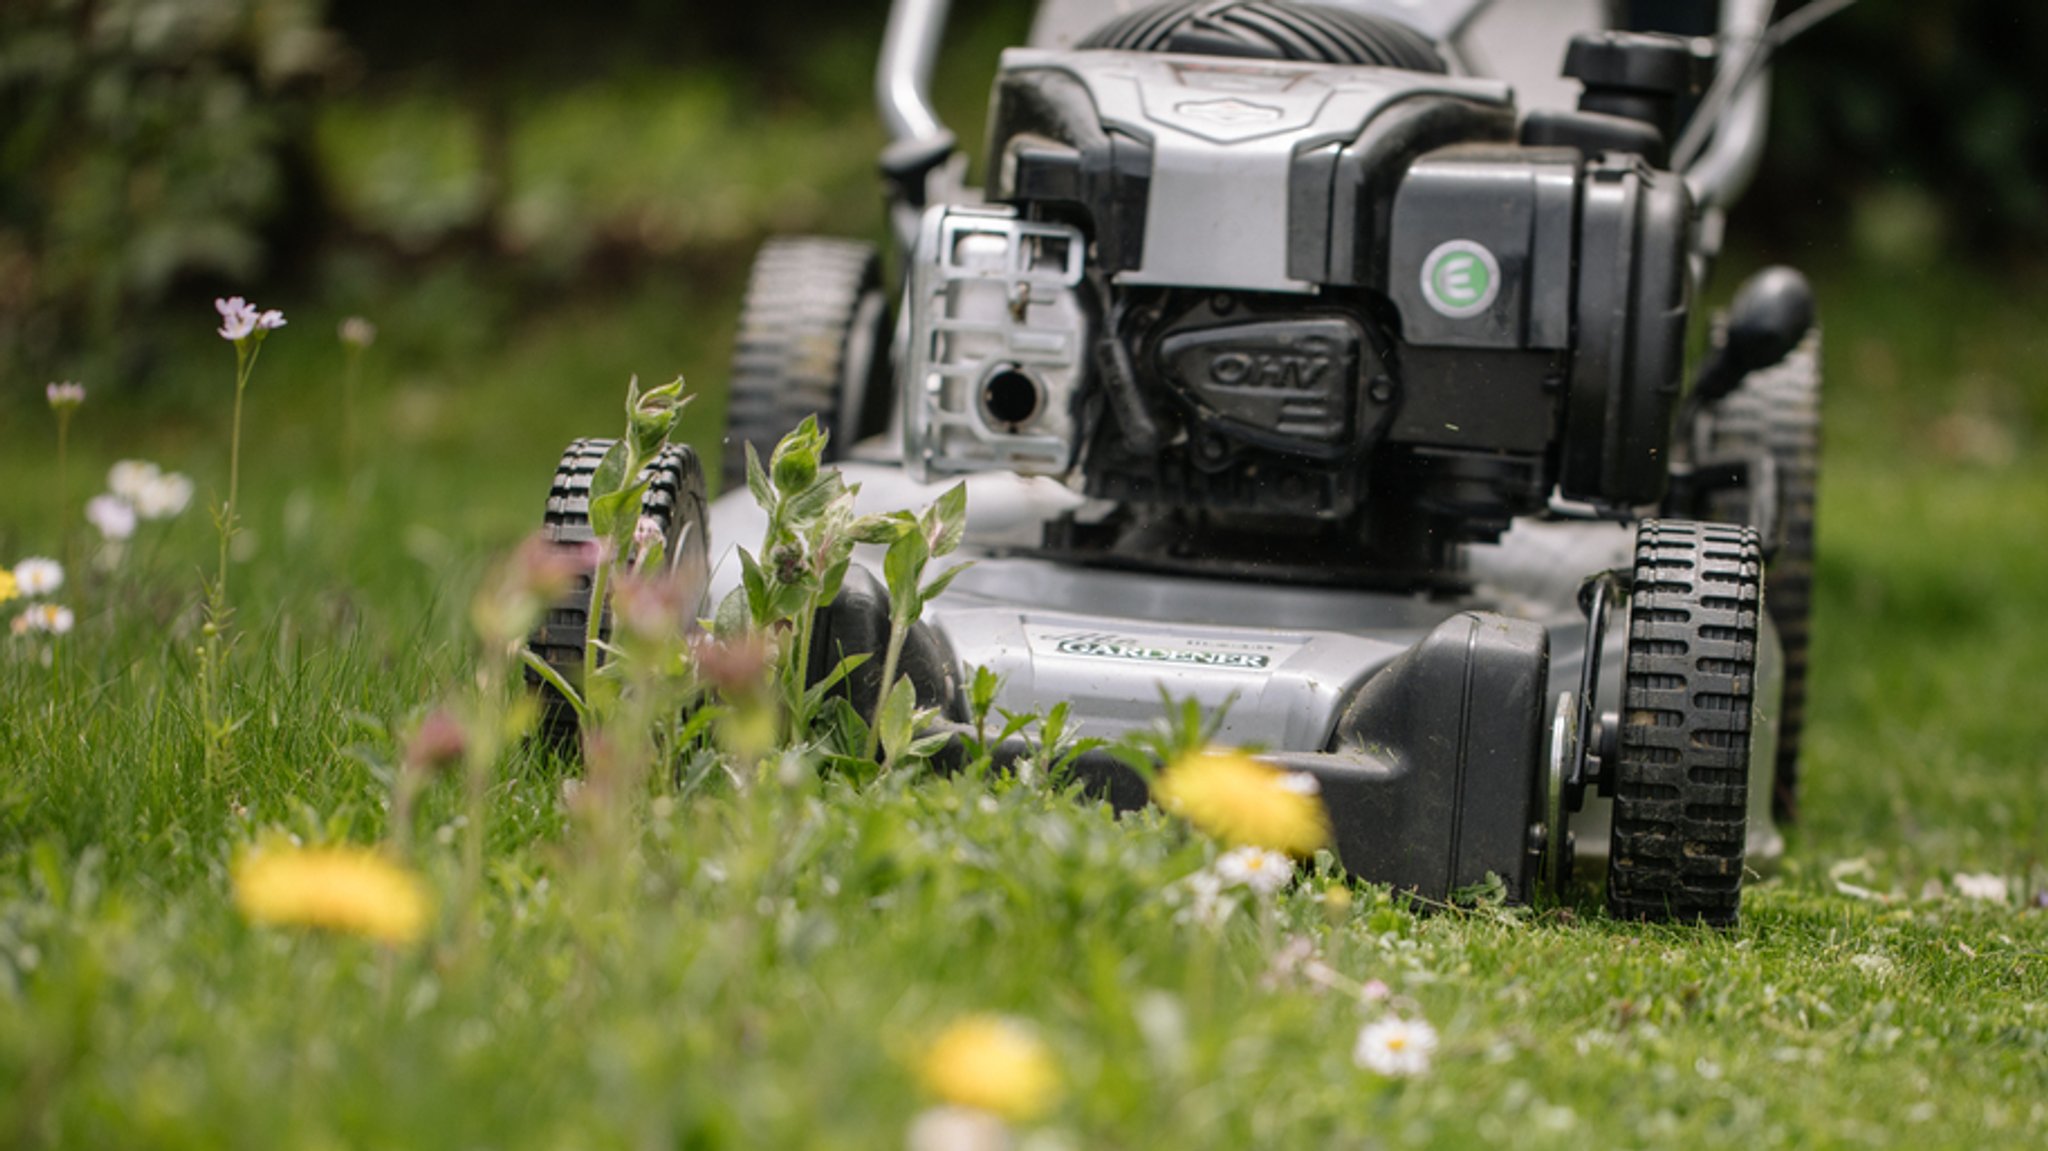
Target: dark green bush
(141, 142)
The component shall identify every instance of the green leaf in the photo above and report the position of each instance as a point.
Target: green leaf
(946, 520)
(924, 747)
(786, 602)
(981, 693)
(939, 583)
(554, 680)
(1014, 723)
(809, 505)
(757, 481)
(733, 613)
(609, 477)
(832, 578)
(880, 530)
(902, 567)
(755, 582)
(1073, 751)
(614, 515)
(896, 722)
(816, 691)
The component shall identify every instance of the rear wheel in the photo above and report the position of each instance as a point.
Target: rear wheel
(813, 340)
(1680, 767)
(674, 499)
(1777, 412)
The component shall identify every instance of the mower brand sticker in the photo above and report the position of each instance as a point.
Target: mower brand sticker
(1460, 278)
(1151, 648)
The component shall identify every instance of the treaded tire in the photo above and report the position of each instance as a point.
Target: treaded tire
(1777, 411)
(674, 497)
(813, 340)
(1264, 29)
(1681, 759)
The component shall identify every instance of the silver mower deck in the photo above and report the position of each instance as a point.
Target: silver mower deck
(1285, 662)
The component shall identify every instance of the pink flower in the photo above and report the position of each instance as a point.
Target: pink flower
(240, 319)
(237, 316)
(65, 396)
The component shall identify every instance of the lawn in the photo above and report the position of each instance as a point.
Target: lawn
(766, 966)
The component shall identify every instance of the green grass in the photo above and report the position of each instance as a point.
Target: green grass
(762, 969)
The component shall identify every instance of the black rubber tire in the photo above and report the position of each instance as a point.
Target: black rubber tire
(813, 340)
(1681, 759)
(1313, 33)
(674, 497)
(1778, 411)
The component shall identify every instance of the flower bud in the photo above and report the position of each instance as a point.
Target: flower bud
(438, 745)
(795, 471)
(789, 563)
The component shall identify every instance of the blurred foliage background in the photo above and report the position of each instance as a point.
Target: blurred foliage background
(490, 159)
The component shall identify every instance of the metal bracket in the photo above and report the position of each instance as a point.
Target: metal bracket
(1577, 727)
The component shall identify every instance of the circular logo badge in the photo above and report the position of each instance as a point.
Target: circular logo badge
(1460, 278)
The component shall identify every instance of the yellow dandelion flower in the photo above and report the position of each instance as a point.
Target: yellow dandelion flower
(1245, 803)
(348, 889)
(8, 587)
(992, 1064)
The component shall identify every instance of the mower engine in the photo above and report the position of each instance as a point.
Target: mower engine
(1341, 301)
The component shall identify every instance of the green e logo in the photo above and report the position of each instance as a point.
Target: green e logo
(1460, 278)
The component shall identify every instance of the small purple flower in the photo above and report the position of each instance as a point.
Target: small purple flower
(240, 319)
(237, 316)
(65, 396)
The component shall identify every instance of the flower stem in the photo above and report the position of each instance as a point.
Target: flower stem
(245, 362)
(213, 656)
(64, 484)
(895, 653)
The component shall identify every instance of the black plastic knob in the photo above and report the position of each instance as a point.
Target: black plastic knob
(1644, 76)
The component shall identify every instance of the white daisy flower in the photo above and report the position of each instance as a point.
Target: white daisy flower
(1396, 1048)
(38, 575)
(1981, 886)
(49, 618)
(163, 496)
(112, 515)
(128, 479)
(1265, 872)
(1206, 903)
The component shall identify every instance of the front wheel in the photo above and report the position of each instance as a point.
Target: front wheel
(674, 499)
(1681, 757)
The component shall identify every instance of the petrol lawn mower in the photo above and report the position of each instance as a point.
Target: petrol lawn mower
(1294, 365)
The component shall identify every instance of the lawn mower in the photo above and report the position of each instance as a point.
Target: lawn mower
(1295, 366)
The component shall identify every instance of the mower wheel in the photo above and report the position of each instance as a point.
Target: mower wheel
(1778, 411)
(813, 340)
(1680, 766)
(674, 499)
